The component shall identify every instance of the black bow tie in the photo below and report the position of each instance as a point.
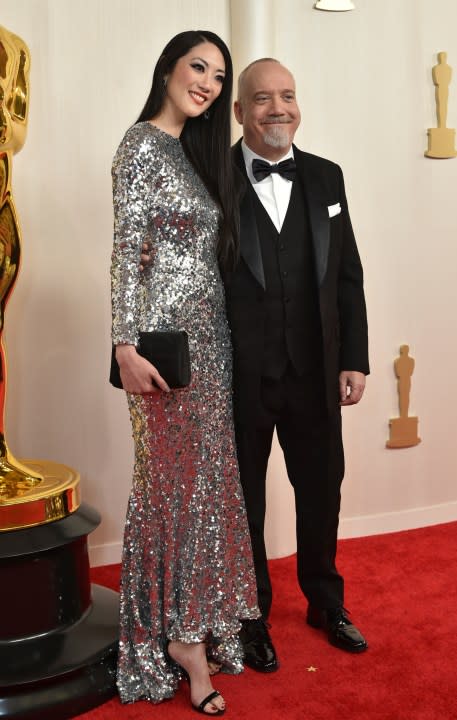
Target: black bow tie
(286, 168)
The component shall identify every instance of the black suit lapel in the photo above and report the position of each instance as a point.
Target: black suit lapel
(316, 201)
(249, 236)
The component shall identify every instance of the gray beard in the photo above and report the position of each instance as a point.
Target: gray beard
(276, 136)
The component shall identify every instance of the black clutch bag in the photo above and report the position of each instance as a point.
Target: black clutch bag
(167, 350)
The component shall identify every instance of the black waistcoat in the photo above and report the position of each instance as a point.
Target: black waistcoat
(292, 327)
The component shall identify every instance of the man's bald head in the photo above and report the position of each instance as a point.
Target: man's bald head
(244, 73)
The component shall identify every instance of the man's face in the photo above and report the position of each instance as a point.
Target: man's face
(267, 109)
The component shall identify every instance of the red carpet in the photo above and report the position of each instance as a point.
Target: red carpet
(402, 589)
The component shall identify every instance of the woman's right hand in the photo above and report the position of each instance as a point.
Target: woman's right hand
(138, 375)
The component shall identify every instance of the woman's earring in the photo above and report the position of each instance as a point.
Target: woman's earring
(206, 115)
(165, 80)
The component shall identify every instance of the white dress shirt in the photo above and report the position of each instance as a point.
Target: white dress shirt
(274, 190)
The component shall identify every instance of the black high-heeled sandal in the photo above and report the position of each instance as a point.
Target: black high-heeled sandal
(214, 694)
(201, 708)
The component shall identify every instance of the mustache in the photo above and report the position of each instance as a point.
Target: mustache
(276, 121)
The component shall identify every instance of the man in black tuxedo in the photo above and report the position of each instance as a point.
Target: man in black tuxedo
(297, 313)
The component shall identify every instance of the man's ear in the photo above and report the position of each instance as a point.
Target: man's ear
(237, 109)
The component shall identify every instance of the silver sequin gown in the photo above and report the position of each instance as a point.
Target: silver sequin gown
(187, 571)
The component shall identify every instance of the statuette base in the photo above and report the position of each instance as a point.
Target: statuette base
(58, 633)
(441, 143)
(29, 502)
(403, 432)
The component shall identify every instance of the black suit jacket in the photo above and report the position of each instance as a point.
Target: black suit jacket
(339, 279)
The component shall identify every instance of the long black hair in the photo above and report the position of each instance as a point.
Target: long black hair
(206, 140)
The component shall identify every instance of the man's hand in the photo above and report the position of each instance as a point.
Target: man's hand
(145, 257)
(352, 385)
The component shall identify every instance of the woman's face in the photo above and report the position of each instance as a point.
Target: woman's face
(195, 82)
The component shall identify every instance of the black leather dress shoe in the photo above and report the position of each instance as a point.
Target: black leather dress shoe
(341, 632)
(259, 653)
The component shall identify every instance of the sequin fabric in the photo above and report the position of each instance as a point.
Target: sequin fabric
(187, 570)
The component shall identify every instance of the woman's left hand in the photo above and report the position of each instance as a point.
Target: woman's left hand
(138, 375)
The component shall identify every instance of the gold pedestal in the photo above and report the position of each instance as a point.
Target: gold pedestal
(403, 432)
(37, 502)
(441, 143)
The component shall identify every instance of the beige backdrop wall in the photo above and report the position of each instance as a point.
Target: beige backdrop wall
(366, 93)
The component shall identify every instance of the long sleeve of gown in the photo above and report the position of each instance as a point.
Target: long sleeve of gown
(131, 172)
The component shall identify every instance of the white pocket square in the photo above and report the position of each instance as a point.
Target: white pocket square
(334, 210)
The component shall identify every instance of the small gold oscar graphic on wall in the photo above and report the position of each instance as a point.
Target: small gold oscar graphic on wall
(441, 140)
(403, 429)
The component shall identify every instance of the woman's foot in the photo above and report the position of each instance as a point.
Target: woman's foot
(192, 658)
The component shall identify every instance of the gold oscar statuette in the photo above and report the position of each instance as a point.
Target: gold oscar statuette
(441, 140)
(59, 633)
(32, 491)
(403, 429)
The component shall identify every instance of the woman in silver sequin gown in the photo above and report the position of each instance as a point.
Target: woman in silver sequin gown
(187, 574)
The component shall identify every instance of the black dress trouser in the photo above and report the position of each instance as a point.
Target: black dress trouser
(311, 441)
